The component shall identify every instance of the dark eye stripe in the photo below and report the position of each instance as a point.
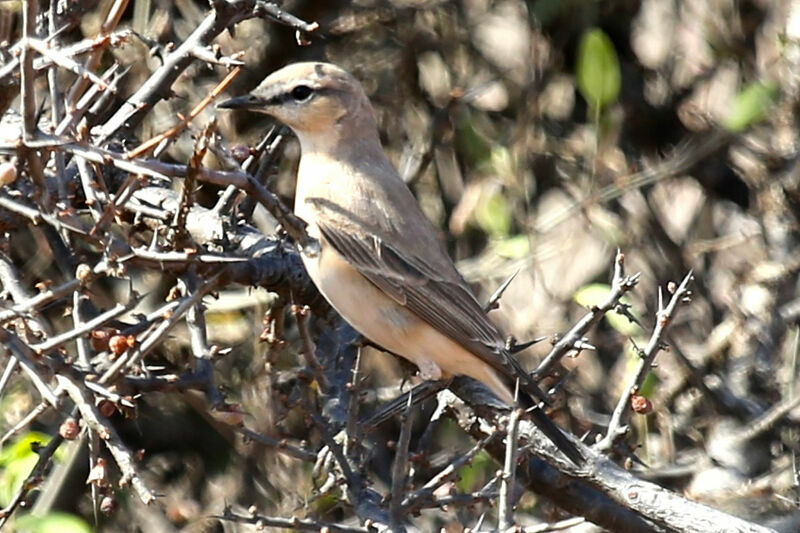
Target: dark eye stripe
(279, 99)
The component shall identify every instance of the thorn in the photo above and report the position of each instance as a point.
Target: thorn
(495, 298)
(514, 347)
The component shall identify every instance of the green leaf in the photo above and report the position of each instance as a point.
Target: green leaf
(649, 385)
(471, 143)
(597, 69)
(474, 474)
(493, 214)
(596, 293)
(51, 523)
(22, 447)
(503, 164)
(513, 247)
(326, 502)
(17, 461)
(750, 106)
(651, 379)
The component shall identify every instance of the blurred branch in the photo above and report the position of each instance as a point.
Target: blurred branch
(364, 500)
(294, 523)
(280, 445)
(688, 153)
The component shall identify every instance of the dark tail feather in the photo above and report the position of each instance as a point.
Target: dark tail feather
(547, 426)
(554, 433)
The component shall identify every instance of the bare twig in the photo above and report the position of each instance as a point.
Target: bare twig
(32, 415)
(663, 319)
(27, 358)
(505, 508)
(424, 496)
(352, 429)
(111, 78)
(225, 14)
(274, 12)
(56, 103)
(196, 322)
(11, 367)
(400, 470)
(294, 226)
(184, 122)
(85, 327)
(619, 286)
(28, 97)
(131, 357)
(301, 314)
(27, 94)
(49, 295)
(364, 500)
(93, 200)
(266, 149)
(557, 526)
(64, 61)
(620, 501)
(107, 433)
(112, 18)
(281, 445)
(768, 419)
(293, 523)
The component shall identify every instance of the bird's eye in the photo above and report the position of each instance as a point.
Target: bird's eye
(301, 93)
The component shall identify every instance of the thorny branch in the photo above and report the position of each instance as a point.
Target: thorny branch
(574, 339)
(42, 359)
(122, 455)
(97, 204)
(664, 317)
(505, 510)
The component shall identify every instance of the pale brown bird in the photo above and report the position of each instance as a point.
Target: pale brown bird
(381, 264)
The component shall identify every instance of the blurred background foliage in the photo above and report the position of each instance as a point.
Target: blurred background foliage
(540, 136)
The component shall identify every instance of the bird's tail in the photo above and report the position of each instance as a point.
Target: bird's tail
(529, 397)
(554, 433)
(534, 411)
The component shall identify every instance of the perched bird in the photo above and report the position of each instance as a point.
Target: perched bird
(381, 264)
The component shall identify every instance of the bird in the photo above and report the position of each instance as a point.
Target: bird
(381, 263)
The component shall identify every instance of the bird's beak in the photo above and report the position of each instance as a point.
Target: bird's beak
(247, 101)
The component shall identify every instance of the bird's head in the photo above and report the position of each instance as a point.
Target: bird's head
(314, 99)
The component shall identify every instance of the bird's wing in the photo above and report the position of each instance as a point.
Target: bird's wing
(426, 284)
